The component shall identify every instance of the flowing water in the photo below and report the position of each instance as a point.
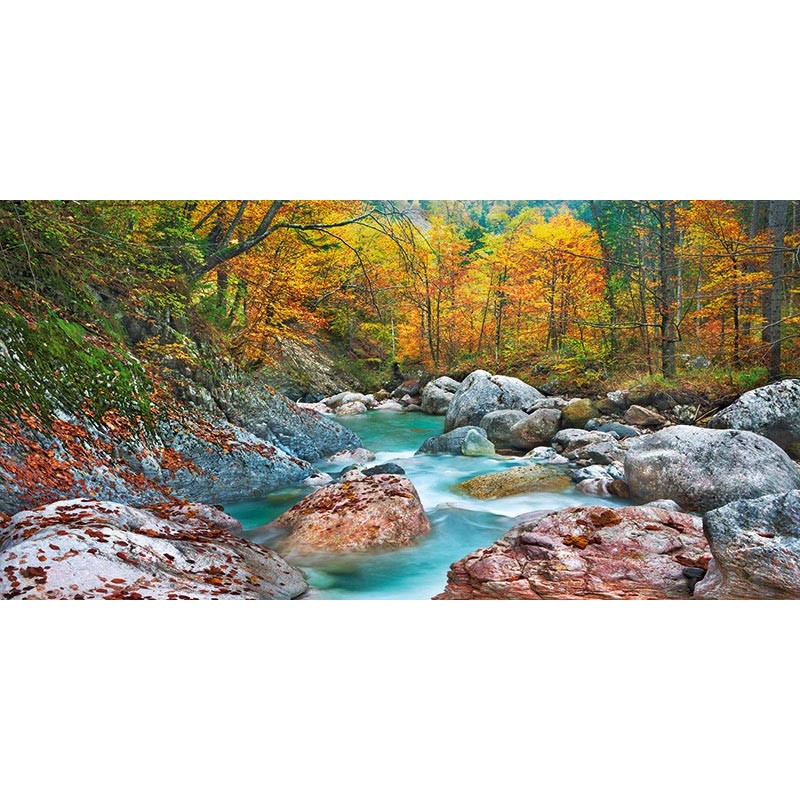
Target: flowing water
(460, 524)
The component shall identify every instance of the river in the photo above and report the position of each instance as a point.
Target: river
(460, 524)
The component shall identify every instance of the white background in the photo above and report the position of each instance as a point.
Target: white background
(398, 100)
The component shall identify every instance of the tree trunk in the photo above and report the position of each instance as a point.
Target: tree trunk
(222, 288)
(777, 227)
(609, 287)
(749, 269)
(667, 274)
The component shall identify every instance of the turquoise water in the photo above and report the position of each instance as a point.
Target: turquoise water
(459, 524)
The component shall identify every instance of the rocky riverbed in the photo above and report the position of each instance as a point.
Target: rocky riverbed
(483, 488)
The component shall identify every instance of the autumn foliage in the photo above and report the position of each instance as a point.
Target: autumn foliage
(582, 288)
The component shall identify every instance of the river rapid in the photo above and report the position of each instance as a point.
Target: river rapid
(460, 524)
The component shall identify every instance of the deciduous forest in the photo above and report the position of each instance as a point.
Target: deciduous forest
(581, 289)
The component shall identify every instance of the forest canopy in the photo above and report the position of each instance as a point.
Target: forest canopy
(575, 288)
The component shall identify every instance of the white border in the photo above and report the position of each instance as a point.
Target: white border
(434, 99)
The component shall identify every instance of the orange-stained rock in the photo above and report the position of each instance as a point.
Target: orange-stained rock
(360, 512)
(588, 552)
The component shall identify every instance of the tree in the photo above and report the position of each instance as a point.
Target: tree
(777, 227)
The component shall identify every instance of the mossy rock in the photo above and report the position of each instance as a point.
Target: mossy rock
(517, 480)
(578, 412)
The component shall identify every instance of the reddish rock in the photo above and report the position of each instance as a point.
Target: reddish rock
(90, 549)
(589, 552)
(361, 512)
(644, 417)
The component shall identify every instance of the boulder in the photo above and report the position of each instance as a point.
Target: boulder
(639, 396)
(438, 394)
(476, 444)
(608, 452)
(577, 412)
(594, 486)
(536, 429)
(546, 402)
(436, 400)
(300, 432)
(618, 488)
(588, 552)
(388, 405)
(389, 468)
(772, 411)
(410, 387)
(449, 443)
(603, 487)
(638, 415)
(589, 473)
(619, 399)
(482, 392)
(516, 480)
(208, 460)
(447, 383)
(359, 513)
(701, 469)
(569, 439)
(91, 549)
(547, 454)
(360, 455)
(342, 398)
(618, 429)
(498, 425)
(756, 549)
(699, 362)
(356, 407)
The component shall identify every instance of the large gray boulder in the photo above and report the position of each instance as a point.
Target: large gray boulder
(702, 469)
(449, 443)
(447, 383)
(482, 392)
(536, 429)
(270, 416)
(438, 394)
(772, 411)
(224, 465)
(475, 444)
(498, 425)
(756, 549)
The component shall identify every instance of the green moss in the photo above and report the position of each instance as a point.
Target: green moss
(58, 365)
(367, 374)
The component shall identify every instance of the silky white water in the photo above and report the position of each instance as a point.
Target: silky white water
(460, 524)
